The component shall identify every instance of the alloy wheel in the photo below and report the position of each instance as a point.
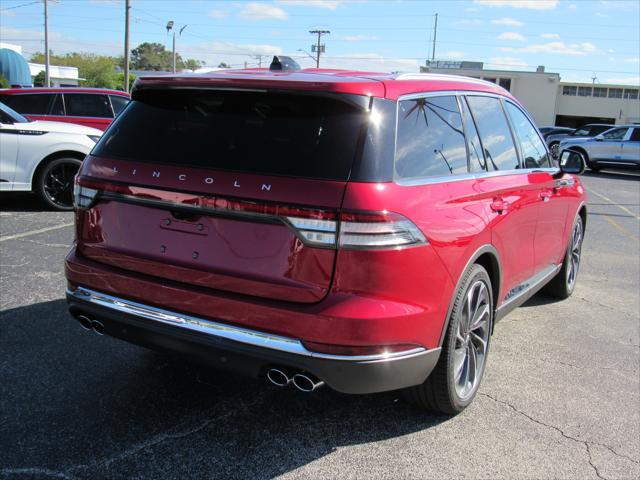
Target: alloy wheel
(472, 340)
(574, 255)
(554, 150)
(58, 184)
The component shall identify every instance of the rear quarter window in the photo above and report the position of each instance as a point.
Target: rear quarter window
(430, 138)
(495, 133)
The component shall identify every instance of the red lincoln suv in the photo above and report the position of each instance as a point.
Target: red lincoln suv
(359, 230)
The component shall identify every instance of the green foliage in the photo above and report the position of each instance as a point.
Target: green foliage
(224, 65)
(4, 83)
(153, 56)
(39, 79)
(96, 70)
(120, 80)
(192, 64)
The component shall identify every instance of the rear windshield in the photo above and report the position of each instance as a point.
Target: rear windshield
(252, 132)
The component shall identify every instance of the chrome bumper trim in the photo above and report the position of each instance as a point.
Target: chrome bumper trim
(220, 330)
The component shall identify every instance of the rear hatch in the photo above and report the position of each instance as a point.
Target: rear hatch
(229, 190)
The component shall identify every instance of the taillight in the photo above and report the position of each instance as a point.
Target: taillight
(313, 226)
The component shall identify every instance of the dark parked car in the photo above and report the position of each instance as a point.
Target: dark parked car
(91, 107)
(590, 130)
(546, 131)
(359, 230)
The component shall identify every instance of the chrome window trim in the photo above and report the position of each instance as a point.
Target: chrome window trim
(220, 330)
(473, 176)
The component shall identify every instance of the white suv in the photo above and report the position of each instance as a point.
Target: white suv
(43, 157)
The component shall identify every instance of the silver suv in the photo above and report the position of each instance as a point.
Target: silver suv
(617, 147)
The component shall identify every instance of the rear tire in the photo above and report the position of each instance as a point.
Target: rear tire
(554, 148)
(54, 183)
(454, 382)
(562, 285)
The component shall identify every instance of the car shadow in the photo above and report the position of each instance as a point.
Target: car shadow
(22, 202)
(611, 174)
(89, 405)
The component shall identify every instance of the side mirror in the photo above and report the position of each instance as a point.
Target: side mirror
(598, 138)
(572, 162)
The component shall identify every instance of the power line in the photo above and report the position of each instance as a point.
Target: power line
(18, 6)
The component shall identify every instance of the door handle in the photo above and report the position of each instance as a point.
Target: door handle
(499, 205)
(545, 196)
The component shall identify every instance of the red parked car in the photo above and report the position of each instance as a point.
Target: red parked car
(359, 230)
(91, 107)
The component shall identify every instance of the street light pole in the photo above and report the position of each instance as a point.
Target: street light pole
(127, 7)
(47, 77)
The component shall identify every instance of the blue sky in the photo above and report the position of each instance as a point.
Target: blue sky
(576, 38)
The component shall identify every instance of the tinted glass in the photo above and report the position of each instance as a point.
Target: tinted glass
(118, 103)
(430, 138)
(477, 161)
(34, 104)
(533, 150)
(57, 108)
(254, 132)
(635, 136)
(595, 130)
(615, 134)
(87, 105)
(494, 133)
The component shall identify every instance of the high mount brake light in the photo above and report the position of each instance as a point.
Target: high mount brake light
(313, 227)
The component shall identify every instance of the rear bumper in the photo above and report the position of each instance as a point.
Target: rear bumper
(248, 351)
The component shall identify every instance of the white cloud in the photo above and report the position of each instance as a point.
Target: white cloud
(550, 35)
(366, 62)
(632, 59)
(529, 4)
(327, 4)
(262, 11)
(635, 81)
(453, 55)
(468, 23)
(509, 22)
(572, 6)
(602, 15)
(611, 50)
(357, 38)
(507, 62)
(556, 48)
(471, 9)
(217, 14)
(512, 36)
(32, 41)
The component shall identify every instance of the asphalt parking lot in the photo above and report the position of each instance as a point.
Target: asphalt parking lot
(560, 398)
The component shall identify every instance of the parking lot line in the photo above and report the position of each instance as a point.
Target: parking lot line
(619, 227)
(34, 232)
(624, 209)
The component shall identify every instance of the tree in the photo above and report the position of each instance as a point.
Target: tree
(96, 70)
(39, 79)
(4, 83)
(224, 65)
(153, 56)
(192, 64)
(120, 80)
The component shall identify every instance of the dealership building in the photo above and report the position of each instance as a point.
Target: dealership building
(551, 101)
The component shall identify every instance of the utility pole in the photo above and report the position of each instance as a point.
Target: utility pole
(47, 77)
(318, 47)
(435, 34)
(127, 7)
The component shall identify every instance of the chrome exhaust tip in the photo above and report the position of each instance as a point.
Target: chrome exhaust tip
(278, 377)
(306, 382)
(85, 322)
(97, 327)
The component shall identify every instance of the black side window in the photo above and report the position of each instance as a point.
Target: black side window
(495, 134)
(430, 138)
(87, 105)
(477, 162)
(34, 104)
(533, 150)
(118, 102)
(57, 107)
(635, 135)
